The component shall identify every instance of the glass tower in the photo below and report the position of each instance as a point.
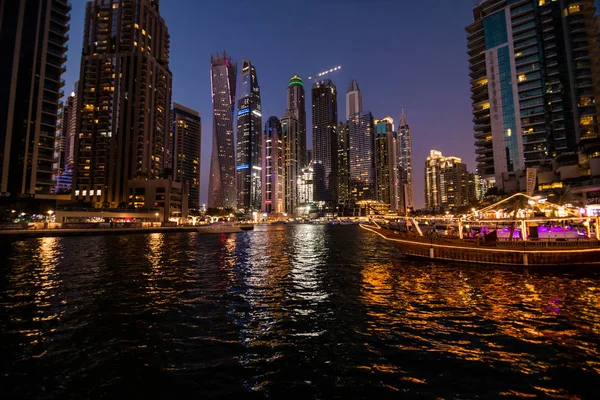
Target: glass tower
(405, 165)
(249, 141)
(185, 144)
(324, 118)
(221, 184)
(273, 170)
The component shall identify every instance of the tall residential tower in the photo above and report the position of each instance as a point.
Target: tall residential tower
(185, 146)
(221, 185)
(249, 141)
(535, 81)
(124, 98)
(405, 177)
(324, 118)
(33, 36)
(273, 169)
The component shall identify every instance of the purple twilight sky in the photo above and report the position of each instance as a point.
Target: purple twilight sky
(404, 54)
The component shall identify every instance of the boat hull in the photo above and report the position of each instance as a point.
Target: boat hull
(528, 254)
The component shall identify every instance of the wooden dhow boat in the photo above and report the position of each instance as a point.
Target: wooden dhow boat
(571, 240)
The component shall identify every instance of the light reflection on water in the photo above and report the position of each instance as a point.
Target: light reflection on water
(312, 311)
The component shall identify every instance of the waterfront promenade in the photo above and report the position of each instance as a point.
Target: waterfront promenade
(60, 232)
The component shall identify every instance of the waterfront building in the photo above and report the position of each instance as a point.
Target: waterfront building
(386, 163)
(274, 168)
(448, 184)
(324, 119)
(168, 197)
(124, 99)
(249, 141)
(407, 202)
(33, 37)
(186, 134)
(362, 157)
(343, 173)
(290, 131)
(534, 89)
(222, 178)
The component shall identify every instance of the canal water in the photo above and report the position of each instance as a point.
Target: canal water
(298, 311)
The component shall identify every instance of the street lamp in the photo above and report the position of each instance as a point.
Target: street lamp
(50, 212)
(156, 217)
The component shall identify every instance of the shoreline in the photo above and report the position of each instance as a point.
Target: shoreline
(59, 232)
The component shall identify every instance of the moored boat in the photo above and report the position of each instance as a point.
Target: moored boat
(224, 227)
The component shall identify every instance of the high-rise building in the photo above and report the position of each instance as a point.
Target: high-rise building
(386, 163)
(324, 118)
(65, 145)
(448, 184)
(361, 129)
(222, 178)
(343, 172)
(296, 107)
(124, 98)
(353, 100)
(186, 140)
(405, 177)
(33, 36)
(273, 169)
(534, 88)
(290, 131)
(249, 141)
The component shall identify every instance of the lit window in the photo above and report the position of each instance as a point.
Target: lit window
(586, 120)
(115, 5)
(85, 192)
(522, 78)
(98, 192)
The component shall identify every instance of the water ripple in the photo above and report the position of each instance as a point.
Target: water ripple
(308, 311)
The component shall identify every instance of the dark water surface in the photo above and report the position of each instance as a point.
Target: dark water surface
(294, 311)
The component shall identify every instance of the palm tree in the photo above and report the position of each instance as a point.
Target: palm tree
(562, 196)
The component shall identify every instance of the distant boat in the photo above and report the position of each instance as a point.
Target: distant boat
(225, 227)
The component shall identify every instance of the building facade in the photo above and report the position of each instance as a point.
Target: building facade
(33, 36)
(343, 172)
(386, 163)
(290, 131)
(186, 141)
(124, 100)
(296, 107)
(405, 176)
(222, 175)
(65, 145)
(324, 118)
(353, 100)
(448, 184)
(534, 84)
(362, 157)
(249, 141)
(306, 186)
(274, 168)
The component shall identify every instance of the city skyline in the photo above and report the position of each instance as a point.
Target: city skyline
(385, 93)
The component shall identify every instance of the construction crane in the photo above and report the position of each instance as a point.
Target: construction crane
(319, 75)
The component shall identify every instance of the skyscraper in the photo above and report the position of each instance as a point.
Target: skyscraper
(343, 171)
(534, 84)
(33, 36)
(273, 169)
(405, 165)
(296, 106)
(222, 178)
(125, 99)
(362, 157)
(353, 100)
(386, 163)
(249, 141)
(324, 118)
(290, 131)
(186, 147)
(448, 184)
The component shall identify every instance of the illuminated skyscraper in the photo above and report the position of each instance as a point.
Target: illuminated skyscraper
(125, 100)
(33, 36)
(186, 144)
(535, 87)
(273, 169)
(362, 157)
(324, 118)
(296, 107)
(405, 177)
(353, 100)
(386, 163)
(249, 141)
(448, 184)
(65, 146)
(222, 178)
(343, 171)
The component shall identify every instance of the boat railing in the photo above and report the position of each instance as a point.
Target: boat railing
(545, 243)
